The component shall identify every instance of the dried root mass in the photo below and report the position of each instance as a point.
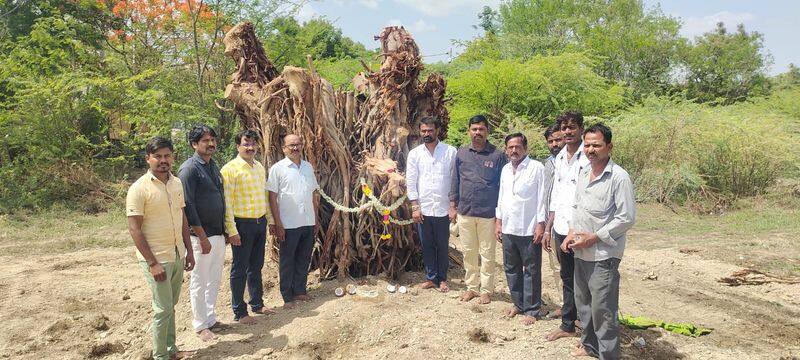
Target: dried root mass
(347, 136)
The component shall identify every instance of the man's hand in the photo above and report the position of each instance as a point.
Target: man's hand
(189, 261)
(498, 230)
(565, 245)
(453, 214)
(235, 240)
(205, 245)
(280, 232)
(537, 234)
(158, 272)
(584, 240)
(547, 242)
(416, 215)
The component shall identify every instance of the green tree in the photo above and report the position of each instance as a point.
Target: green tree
(530, 93)
(726, 67)
(636, 46)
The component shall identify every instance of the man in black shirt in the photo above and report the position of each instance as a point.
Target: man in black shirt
(205, 211)
(475, 186)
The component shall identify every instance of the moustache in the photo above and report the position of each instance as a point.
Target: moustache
(427, 139)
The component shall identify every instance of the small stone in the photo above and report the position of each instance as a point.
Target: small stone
(126, 297)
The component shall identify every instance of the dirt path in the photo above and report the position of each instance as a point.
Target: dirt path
(95, 303)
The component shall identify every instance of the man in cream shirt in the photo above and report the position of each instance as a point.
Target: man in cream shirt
(160, 231)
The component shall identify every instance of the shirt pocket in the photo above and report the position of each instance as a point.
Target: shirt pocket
(599, 201)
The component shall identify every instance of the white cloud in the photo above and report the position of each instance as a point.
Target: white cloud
(418, 27)
(306, 13)
(443, 8)
(695, 26)
(372, 4)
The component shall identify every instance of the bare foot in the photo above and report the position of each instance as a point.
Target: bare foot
(182, 355)
(512, 311)
(264, 311)
(578, 324)
(220, 326)
(558, 334)
(247, 320)
(528, 320)
(485, 299)
(303, 297)
(443, 287)
(289, 305)
(206, 335)
(579, 351)
(427, 285)
(468, 295)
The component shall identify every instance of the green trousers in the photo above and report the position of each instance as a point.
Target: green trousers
(165, 297)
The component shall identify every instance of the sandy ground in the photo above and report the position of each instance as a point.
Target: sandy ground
(95, 303)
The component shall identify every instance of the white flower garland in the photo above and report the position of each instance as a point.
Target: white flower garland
(373, 202)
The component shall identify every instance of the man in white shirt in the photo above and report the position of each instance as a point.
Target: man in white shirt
(519, 227)
(428, 183)
(567, 165)
(291, 184)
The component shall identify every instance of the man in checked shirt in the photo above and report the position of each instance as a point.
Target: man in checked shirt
(246, 214)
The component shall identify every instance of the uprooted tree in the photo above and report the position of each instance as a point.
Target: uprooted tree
(349, 136)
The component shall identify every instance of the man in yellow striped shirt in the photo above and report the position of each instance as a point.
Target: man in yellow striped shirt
(246, 214)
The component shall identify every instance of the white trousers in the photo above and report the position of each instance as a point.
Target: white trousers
(204, 281)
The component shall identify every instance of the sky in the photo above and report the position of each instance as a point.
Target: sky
(436, 24)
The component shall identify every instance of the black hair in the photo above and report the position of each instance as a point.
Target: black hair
(550, 130)
(570, 115)
(517, 135)
(602, 129)
(158, 143)
(477, 119)
(198, 132)
(431, 120)
(250, 134)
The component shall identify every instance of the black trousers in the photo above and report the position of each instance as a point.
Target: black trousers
(248, 260)
(522, 262)
(569, 313)
(434, 236)
(295, 258)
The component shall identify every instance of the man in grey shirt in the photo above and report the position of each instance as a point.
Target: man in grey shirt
(603, 211)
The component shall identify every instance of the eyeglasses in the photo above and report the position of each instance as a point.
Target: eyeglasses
(293, 146)
(249, 145)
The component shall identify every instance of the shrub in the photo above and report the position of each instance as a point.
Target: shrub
(677, 150)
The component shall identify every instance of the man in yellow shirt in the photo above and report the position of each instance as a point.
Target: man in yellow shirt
(245, 183)
(160, 231)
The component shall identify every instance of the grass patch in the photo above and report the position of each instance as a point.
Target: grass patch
(60, 230)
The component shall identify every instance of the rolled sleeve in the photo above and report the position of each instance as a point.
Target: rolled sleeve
(229, 188)
(412, 177)
(455, 179)
(624, 214)
(187, 177)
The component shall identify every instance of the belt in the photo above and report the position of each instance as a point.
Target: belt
(251, 220)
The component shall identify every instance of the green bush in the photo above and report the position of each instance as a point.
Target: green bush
(677, 150)
(536, 90)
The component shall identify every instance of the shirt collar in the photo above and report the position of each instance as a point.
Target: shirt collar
(524, 164)
(563, 152)
(489, 148)
(289, 163)
(608, 169)
(200, 159)
(153, 176)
